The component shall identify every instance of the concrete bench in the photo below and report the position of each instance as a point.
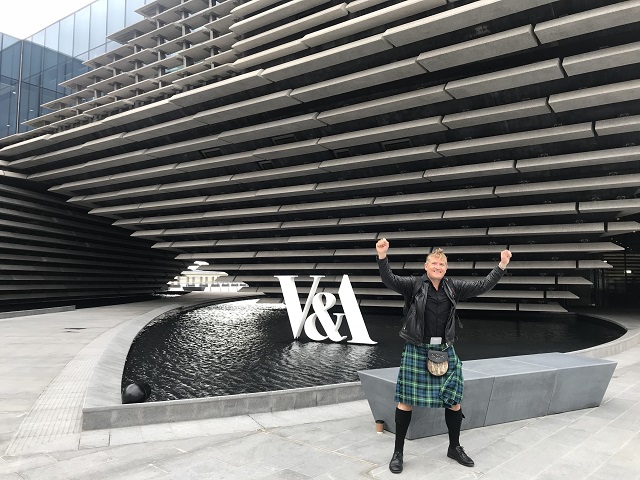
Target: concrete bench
(499, 390)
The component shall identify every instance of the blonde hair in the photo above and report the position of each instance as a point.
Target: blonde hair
(437, 253)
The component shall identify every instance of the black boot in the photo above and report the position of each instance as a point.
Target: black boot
(403, 419)
(395, 465)
(459, 455)
(453, 419)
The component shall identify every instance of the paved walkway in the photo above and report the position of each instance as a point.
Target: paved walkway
(332, 442)
(46, 362)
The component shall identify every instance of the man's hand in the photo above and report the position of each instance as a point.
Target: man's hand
(505, 258)
(381, 247)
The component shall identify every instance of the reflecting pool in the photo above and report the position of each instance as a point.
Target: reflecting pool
(244, 347)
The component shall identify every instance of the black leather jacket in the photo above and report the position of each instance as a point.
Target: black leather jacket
(414, 291)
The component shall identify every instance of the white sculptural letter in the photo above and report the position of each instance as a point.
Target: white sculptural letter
(359, 333)
(322, 303)
(290, 293)
(321, 309)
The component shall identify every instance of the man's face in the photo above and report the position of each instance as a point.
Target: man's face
(436, 268)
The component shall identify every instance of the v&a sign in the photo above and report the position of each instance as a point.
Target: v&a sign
(322, 303)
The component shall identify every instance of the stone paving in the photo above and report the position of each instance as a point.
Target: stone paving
(329, 442)
(46, 362)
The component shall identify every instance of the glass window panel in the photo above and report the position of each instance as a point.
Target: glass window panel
(133, 17)
(98, 31)
(31, 93)
(111, 45)
(115, 16)
(10, 61)
(35, 60)
(78, 68)
(67, 69)
(35, 103)
(97, 51)
(65, 72)
(7, 98)
(48, 95)
(5, 122)
(61, 73)
(8, 40)
(50, 58)
(13, 107)
(26, 58)
(35, 79)
(65, 44)
(51, 36)
(38, 38)
(81, 31)
(24, 104)
(5, 90)
(50, 78)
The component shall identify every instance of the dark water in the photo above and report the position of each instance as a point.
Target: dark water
(244, 347)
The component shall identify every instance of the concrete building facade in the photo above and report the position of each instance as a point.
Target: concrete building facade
(284, 137)
(32, 70)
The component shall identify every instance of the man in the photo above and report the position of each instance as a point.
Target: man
(429, 324)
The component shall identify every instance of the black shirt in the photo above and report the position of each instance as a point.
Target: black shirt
(436, 313)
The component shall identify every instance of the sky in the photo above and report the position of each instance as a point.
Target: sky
(23, 18)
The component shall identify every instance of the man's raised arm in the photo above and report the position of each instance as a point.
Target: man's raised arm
(402, 285)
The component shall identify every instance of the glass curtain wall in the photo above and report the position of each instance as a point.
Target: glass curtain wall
(10, 51)
(32, 70)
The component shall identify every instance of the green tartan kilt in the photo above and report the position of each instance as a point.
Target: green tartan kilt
(417, 387)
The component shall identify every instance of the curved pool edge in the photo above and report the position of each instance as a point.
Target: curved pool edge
(627, 319)
(104, 384)
(136, 414)
(103, 408)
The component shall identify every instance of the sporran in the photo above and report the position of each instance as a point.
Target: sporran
(437, 362)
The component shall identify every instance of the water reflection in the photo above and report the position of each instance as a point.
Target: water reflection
(245, 347)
